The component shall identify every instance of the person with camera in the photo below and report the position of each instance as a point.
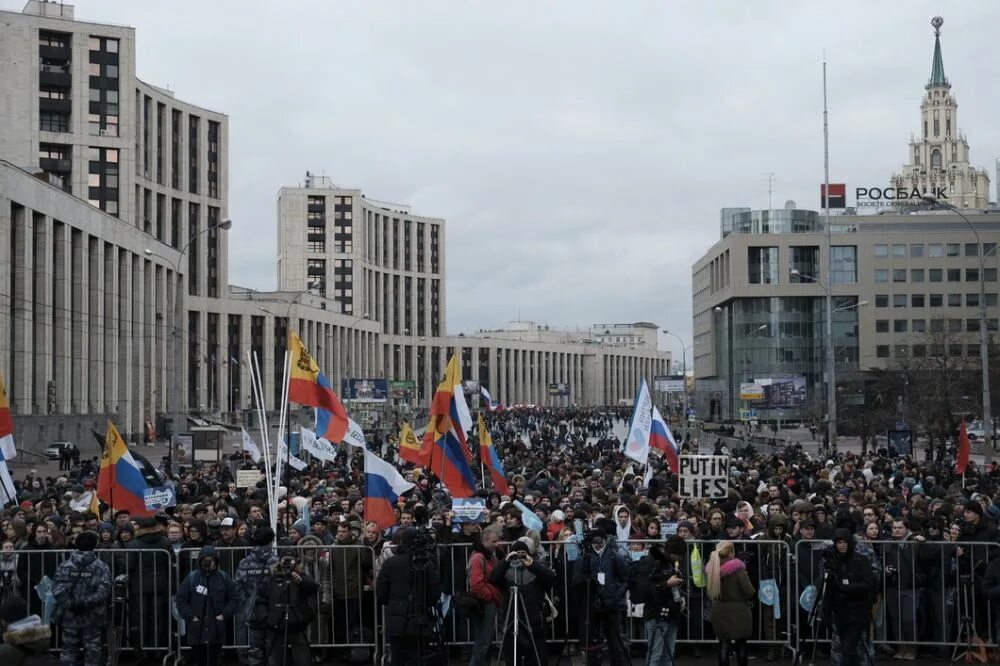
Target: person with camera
(286, 604)
(532, 579)
(252, 570)
(850, 587)
(731, 593)
(409, 617)
(206, 601)
(655, 582)
(81, 588)
(903, 580)
(481, 563)
(601, 573)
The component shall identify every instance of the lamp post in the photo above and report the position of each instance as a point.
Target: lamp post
(684, 370)
(178, 362)
(984, 338)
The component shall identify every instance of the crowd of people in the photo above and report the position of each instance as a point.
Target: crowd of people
(586, 555)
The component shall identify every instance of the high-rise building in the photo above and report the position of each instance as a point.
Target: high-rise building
(905, 284)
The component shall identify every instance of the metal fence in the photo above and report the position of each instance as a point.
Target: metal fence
(935, 595)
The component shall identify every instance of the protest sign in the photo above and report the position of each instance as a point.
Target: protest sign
(469, 510)
(247, 478)
(159, 497)
(704, 477)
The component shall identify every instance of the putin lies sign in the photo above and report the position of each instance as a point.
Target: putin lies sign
(704, 477)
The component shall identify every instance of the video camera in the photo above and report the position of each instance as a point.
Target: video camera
(119, 589)
(422, 544)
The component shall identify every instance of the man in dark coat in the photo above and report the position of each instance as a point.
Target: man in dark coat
(148, 569)
(206, 601)
(533, 579)
(286, 603)
(600, 573)
(851, 587)
(81, 588)
(408, 618)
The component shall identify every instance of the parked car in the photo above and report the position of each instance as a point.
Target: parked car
(54, 450)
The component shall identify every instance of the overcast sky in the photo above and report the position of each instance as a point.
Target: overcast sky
(579, 151)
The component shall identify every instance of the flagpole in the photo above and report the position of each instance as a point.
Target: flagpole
(256, 386)
(282, 417)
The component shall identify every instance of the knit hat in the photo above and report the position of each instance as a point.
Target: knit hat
(975, 507)
(676, 546)
(86, 541)
(262, 536)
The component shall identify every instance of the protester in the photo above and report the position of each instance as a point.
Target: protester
(206, 601)
(730, 590)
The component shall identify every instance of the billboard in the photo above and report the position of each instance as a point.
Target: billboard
(787, 391)
(668, 383)
(751, 391)
(558, 388)
(837, 198)
(365, 390)
(405, 390)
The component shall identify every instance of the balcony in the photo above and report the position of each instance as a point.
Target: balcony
(317, 208)
(63, 53)
(55, 105)
(54, 76)
(55, 165)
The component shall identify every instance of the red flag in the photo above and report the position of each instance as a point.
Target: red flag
(963, 449)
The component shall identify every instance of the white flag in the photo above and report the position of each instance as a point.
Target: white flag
(526, 438)
(250, 446)
(8, 494)
(318, 447)
(637, 441)
(285, 456)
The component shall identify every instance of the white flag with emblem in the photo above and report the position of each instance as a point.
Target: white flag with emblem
(637, 440)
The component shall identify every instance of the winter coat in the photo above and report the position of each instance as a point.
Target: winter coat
(851, 585)
(27, 647)
(480, 567)
(32, 567)
(533, 582)
(731, 614)
(82, 586)
(284, 605)
(350, 564)
(149, 563)
(394, 589)
(251, 572)
(901, 558)
(202, 597)
(610, 595)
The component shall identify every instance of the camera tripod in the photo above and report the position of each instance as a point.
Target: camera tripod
(516, 615)
(966, 625)
(813, 621)
(119, 615)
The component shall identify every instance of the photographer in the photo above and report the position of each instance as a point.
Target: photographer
(903, 581)
(654, 582)
(532, 579)
(851, 584)
(81, 588)
(206, 600)
(285, 602)
(600, 573)
(409, 617)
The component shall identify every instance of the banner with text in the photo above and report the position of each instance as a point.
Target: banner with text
(704, 477)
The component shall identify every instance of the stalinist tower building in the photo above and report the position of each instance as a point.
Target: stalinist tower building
(939, 158)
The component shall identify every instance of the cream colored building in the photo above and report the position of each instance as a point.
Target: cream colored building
(111, 190)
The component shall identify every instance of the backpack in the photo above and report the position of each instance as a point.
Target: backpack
(467, 605)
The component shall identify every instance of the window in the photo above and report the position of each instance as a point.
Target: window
(918, 325)
(882, 351)
(50, 121)
(53, 93)
(972, 249)
(954, 325)
(937, 325)
(899, 251)
(762, 262)
(899, 300)
(917, 275)
(954, 275)
(972, 325)
(935, 300)
(972, 275)
(881, 275)
(935, 275)
(937, 350)
(919, 351)
(881, 251)
(972, 350)
(935, 251)
(881, 300)
(881, 325)
(899, 275)
(991, 300)
(917, 250)
(954, 300)
(844, 264)
(989, 249)
(990, 275)
(954, 249)
(972, 300)
(102, 175)
(900, 325)
(917, 300)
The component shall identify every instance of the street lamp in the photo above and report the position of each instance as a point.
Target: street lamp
(984, 339)
(178, 362)
(684, 370)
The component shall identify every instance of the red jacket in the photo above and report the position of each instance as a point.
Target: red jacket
(480, 568)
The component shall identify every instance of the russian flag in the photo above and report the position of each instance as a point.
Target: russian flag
(120, 483)
(7, 449)
(307, 385)
(445, 436)
(488, 454)
(661, 439)
(383, 486)
(487, 399)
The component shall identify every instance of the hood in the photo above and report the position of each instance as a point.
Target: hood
(845, 534)
(33, 639)
(776, 520)
(732, 566)
(208, 551)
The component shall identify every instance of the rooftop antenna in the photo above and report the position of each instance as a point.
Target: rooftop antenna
(770, 187)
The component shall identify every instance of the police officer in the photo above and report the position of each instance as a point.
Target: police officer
(82, 588)
(251, 572)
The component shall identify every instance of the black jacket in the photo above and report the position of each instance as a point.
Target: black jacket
(149, 563)
(532, 584)
(647, 585)
(284, 605)
(201, 598)
(395, 590)
(851, 585)
(610, 595)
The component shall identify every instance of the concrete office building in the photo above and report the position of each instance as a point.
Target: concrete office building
(112, 193)
(903, 281)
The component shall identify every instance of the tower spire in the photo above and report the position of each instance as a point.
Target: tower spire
(937, 66)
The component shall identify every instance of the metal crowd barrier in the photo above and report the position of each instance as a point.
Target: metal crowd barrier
(931, 594)
(139, 608)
